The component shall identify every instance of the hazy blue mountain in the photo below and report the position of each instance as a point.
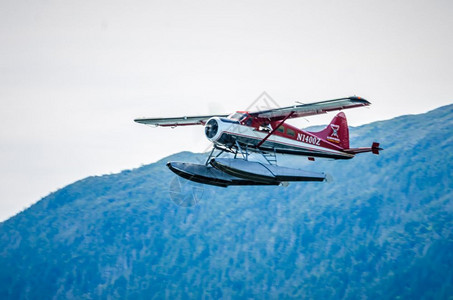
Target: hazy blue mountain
(383, 229)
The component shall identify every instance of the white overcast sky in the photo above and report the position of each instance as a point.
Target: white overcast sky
(74, 74)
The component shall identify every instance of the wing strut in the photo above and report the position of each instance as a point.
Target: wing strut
(275, 129)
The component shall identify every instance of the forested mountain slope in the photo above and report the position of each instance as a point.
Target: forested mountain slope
(383, 229)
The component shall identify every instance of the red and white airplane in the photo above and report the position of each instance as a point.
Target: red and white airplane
(266, 133)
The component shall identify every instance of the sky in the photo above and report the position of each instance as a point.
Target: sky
(74, 75)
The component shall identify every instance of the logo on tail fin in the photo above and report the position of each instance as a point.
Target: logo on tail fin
(334, 135)
(334, 129)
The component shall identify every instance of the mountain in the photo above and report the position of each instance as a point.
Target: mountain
(383, 229)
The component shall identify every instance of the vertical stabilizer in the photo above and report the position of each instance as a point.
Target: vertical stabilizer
(337, 132)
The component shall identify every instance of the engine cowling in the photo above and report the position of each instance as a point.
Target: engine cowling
(215, 129)
(211, 128)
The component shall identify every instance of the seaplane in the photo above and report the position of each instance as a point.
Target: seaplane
(265, 133)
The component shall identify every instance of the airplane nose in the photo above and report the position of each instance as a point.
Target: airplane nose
(211, 128)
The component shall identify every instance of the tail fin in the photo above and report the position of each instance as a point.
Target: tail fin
(336, 132)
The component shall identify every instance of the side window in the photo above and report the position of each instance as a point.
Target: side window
(290, 132)
(281, 129)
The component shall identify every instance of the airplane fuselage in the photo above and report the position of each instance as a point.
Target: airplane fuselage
(285, 139)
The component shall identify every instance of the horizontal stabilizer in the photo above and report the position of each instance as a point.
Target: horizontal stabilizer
(373, 149)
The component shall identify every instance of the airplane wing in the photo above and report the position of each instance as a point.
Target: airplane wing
(310, 109)
(178, 121)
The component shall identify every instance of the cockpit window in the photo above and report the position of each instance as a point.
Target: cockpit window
(237, 116)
